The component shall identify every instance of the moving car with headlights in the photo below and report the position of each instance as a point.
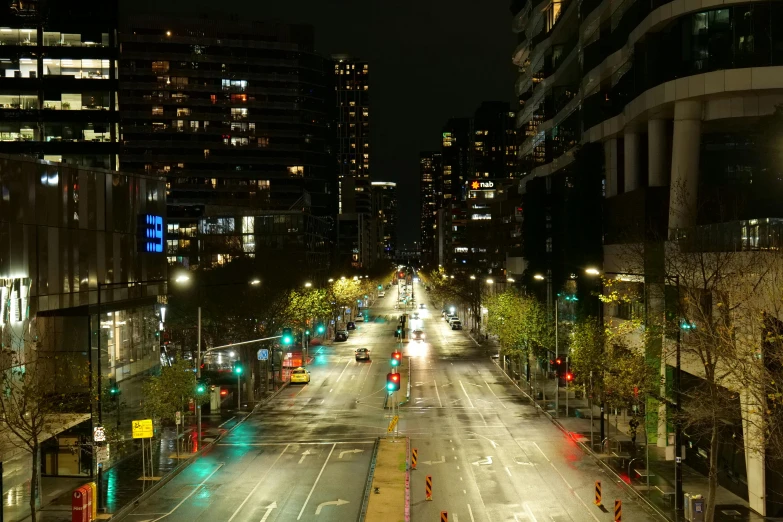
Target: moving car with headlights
(418, 335)
(415, 315)
(456, 325)
(300, 375)
(341, 335)
(362, 354)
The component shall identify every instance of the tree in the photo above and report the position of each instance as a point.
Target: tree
(41, 391)
(169, 392)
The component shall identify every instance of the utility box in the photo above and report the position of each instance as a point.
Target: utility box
(214, 399)
(693, 506)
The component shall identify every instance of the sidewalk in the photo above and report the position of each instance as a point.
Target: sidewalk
(626, 459)
(122, 482)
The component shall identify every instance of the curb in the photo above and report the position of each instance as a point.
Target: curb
(368, 486)
(587, 450)
(133, 504)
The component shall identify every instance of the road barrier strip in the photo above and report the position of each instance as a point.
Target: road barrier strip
(586, 449)
(133, 504)
(368, 485)
(408, 484)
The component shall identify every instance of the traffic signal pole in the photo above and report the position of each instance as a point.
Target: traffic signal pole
(198, 378)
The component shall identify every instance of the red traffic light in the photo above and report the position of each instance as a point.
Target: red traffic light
(397, 355)
(402, 274)
(392, 382)
(558, 361)
(569, 376)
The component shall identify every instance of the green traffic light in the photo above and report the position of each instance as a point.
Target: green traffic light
(201, 388)
(320, 328)
(390, 386)
(238, 370)
(307, 332)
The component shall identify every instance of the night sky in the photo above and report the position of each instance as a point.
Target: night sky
(429, 60)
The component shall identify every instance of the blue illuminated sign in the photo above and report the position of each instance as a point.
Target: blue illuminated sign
(150, 233)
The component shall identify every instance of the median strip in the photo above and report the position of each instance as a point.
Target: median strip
(387, 500)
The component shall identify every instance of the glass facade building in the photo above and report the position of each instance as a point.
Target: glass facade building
(58, 81)
(75, 282)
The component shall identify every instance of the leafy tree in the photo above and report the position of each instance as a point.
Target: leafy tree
(169, 392)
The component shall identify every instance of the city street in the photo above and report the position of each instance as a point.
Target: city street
(306, 455)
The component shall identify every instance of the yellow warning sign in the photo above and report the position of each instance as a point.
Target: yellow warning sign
(393, 423)
(142, 429)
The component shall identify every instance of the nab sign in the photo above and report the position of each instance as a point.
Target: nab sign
(481, 184)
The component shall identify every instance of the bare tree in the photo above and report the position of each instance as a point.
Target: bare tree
(44, 392)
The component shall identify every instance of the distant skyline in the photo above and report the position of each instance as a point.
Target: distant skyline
(429, 61)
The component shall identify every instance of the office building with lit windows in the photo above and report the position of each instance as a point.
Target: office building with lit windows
(661, 122)
(352, 98)
(430, 165)
(58, 81)
(384, 195)
(232, 112)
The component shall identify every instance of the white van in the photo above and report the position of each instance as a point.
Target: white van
(381, 294)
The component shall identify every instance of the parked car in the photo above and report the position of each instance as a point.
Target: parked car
(359, 318)
(456, 325)
(300, 375)
(341, 335)
(362, 354)
(350, 326)
(381, 294)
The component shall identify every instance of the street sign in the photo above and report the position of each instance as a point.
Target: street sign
(263, 354)
(98, 434)
(393, 423)
(142, 429)
(102, 454)
(178, 417)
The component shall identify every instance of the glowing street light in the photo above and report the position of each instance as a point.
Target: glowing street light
(308, 284)
(182, 278)
(490, 281)
(538, 277)
(473, 277)
(510, 280)
(255, 282)
(592, 271)
(331, 280)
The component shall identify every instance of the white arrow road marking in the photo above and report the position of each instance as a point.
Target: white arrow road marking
(483, 462)
(304, 454)
(419, 384)
(263, 477)
(444, 385)
(441, 461)
(334, 445)
(269, 509)
(494, 444)
(338, 502)
(350, 451)
(522, 461)
(474, 384)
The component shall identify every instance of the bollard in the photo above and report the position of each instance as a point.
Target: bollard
(444, 516)
(618, 511)
(428, 487)
(414, 457)
(597, 492)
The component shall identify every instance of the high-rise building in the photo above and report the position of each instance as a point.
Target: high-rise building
(233, 113)
(655, 128)
(430, 166)
(352, 97)
(494, 142)
(385, 211)
(58, 81)
(457, 157)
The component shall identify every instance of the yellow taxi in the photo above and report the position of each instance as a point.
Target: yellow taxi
(300, 375)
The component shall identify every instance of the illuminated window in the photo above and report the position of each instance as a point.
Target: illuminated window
(297, 170)
(157, 111)
(160, 67)
(206, 153)
(263, 142)
(238, 113)
(182, 111)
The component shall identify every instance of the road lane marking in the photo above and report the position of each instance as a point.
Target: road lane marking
(198, 486)
(316, 481)
(437, 393)
(566, 483)
(530, 512)
(350, 451)
(338, 502)
(486, 461)
(482, 418)
(470, 511)
(269, 509)
(258, 483)
(229, 420)
(493, 393)
(494, 444)
(466, 394)
(305, 453)
(300, 391)
(441, 461)
(366, 375)
(508, 471)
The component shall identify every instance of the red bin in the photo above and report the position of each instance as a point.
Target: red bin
(79, 505)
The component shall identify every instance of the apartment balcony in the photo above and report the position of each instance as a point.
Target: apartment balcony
(751, 235)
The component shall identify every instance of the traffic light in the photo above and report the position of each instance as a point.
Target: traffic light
(307, 332)
(399, 332)
(402, 274)
(320, 329)
(287, 338)
(380, 287)
(238, 369)
(201, 387)
(569, 376)
(114, 390)
(396, 358)
(392, 382)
